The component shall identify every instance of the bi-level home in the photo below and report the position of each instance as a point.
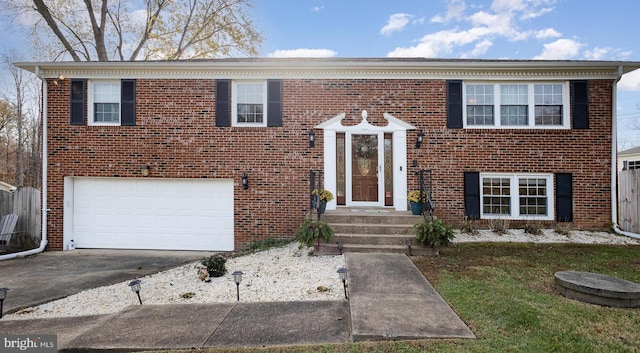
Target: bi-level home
(211, 155)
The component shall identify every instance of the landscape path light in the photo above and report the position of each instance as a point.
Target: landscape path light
(3, 295)
(237, 277)
(342, 272)
(135, 287)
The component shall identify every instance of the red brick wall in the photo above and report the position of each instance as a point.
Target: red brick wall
(176, 135)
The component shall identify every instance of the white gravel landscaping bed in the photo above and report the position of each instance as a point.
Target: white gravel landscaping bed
(279, 274)
(547, 236)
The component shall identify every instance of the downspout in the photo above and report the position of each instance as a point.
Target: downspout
(614, 161)
(43, 241)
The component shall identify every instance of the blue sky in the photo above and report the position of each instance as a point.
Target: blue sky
(484, 29)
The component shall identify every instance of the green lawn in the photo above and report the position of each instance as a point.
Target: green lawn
(506, 294)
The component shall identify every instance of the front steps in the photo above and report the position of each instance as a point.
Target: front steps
(373, 230)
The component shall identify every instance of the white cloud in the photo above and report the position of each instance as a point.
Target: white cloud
(630, 81)
(508, 5)
(317, 8)
(455, 10)
(480, 49)
(396, 22)
(303, 53)
(533, 14)
(596, 53)
(439, 43)
(547, 33)
(561, 49)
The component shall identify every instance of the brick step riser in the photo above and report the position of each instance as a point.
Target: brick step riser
(372, 229)
(328, 249)
(395, 219)
(363, 239)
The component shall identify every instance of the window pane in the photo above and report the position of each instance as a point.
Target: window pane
(514, 95)
(480, 94)
(533, 196)
(548, 94)
(495, 198)
(250, 113)
(479, 114)
(513, 115)
(108, 92)
(107, 112)
(548, 115)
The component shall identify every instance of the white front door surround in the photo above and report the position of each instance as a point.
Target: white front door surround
(396, 127)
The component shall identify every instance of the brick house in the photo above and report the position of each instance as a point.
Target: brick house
(154, 155)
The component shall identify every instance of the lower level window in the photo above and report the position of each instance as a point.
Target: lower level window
(517, 196)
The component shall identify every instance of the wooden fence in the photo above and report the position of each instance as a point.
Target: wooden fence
(25, 202)
(629, 184)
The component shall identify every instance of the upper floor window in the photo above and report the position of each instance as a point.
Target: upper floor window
(516, 105)
(249, 102)
(104, 102)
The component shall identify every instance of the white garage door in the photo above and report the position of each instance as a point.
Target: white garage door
(171, 214)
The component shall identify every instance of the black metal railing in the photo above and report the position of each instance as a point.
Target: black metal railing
(315, 183)
(426, 202)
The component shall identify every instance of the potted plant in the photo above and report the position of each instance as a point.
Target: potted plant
(414, 201)
(325, 196)
(434, 233)
(311, 231)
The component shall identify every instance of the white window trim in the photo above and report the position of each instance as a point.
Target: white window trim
(515, 196)
(234, 104)
(90, 107)
(566, 107)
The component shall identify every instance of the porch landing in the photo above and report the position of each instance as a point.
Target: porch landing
(373, 230)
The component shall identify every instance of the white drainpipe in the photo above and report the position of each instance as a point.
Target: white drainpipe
(614, 161)
(43, 242)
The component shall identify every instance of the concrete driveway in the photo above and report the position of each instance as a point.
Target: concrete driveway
(53, 275)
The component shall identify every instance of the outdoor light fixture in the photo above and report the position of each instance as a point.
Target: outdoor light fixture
(245, 181)
(145, 170)
(237, 277)
(135, 287)
(57, 80)
(312, 138)
(342, 272)
(419, 139)
(340, 246)
(3, 294)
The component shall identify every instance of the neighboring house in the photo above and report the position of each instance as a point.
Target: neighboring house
(151, 155)
(629, 159)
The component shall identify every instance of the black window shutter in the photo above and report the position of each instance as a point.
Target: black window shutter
(223, 102)
(564, 197)
(274, 103)
(128, 103)
(472, 195)
(580, 104)
(77, 102)
(454, 104)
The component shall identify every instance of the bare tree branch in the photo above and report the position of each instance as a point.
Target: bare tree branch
(46, 15)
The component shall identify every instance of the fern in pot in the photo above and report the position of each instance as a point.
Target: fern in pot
(434, 233)
(311, 231)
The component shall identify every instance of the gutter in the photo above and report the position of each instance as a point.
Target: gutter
(614, 161)
(45, 160)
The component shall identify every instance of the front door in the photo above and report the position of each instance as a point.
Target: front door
(364, 168)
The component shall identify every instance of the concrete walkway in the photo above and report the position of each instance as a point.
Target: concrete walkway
(389, 299)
